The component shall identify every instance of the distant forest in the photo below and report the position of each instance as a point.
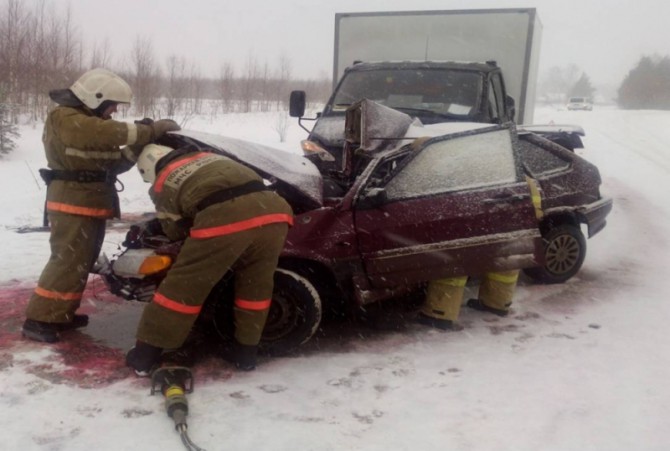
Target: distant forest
(42, 49)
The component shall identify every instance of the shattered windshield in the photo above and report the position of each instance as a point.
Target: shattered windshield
(451, 93)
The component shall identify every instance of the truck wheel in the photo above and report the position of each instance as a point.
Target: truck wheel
(564, 251)
(295, 315)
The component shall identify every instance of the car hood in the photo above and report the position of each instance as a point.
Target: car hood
(295, 178)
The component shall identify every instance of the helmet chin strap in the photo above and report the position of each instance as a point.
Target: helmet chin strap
(100, 111)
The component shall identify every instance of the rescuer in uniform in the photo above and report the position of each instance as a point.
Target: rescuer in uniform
(85, 151)
(230, 221)
(444, 297)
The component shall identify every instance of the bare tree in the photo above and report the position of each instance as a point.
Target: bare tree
(249, 83)
(265, 88)
(281, 124)
(176, 84)
(225, 87)
(14, 34)
(196, 85)
(145, 76)
(283, 78)
(101, 55)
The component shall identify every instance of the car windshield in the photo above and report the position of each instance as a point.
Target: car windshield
(577, 100)
(414, 91)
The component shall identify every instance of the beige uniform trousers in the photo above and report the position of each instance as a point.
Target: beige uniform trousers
(445, 296)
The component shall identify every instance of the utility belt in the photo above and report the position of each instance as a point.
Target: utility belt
(225, 195)
(80, 176)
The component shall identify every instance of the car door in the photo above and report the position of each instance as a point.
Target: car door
(459, 205)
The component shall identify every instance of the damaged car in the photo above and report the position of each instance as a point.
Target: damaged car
(412, 203)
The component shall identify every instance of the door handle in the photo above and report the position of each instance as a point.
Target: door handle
(507, 199)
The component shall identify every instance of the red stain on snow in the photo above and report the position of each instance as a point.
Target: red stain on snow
(78, 359)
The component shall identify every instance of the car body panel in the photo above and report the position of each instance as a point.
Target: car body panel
(453, 202)
(594, 214)
(445, 214)
(292, 175)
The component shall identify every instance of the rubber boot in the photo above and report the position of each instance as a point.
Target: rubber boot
(477, 304)
(143, 358)
(242, 356)
(49, 332)
(437, 323)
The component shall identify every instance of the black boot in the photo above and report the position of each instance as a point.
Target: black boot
(477, 304)
(143, 358)
(242, 356)
(41, 331)
(49, 332)
(437, 323)
(77, 322)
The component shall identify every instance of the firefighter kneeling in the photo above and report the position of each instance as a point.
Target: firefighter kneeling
(230, 221)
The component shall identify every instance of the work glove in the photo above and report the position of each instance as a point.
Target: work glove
(161, 127)
(138, 233)
(145, 121)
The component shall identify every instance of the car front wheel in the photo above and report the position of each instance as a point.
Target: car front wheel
(564, 251)
(295, 314)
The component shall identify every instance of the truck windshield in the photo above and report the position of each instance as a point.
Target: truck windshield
(415, 91)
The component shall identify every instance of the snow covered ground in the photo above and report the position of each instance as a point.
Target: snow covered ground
(579, 366)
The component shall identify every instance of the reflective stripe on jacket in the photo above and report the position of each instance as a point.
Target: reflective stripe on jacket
(74, 140)
(177, 193)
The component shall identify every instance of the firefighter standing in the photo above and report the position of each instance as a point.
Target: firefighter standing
(230, 221)
(445, 296)
(83, 150)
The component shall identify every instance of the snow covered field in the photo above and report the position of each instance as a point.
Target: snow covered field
(579, 366)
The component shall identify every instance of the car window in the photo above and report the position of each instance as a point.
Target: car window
(495, 91)
(438, 90)
(464, 162)
(540, 161)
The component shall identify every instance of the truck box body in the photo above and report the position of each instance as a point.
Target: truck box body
(511, 37)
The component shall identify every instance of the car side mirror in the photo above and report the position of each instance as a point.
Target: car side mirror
(372, 198)
(297, 103)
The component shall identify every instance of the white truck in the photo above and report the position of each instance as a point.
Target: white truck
(438, 66)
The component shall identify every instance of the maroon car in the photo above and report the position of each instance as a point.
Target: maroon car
(411, 204)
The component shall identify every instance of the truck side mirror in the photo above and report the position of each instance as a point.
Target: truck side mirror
(510, 107)
(297, 104)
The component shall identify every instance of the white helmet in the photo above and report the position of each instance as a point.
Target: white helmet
(99, 85)
(146, 162)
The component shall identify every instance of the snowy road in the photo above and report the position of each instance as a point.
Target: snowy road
(579, 366)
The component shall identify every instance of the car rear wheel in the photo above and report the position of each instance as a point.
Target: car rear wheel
(295, 315)
(564, 251)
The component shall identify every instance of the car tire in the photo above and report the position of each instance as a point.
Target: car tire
(294, 317)
(564, 251)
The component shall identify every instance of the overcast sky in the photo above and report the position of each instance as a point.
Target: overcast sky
(603, 37)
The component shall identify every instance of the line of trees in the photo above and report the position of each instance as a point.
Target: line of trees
(647, 85)
(561, 83)
(41, 49)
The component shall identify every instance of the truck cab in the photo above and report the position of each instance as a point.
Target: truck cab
(430, 91)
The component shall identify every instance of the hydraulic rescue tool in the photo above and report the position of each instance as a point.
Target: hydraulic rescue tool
(174, 382)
